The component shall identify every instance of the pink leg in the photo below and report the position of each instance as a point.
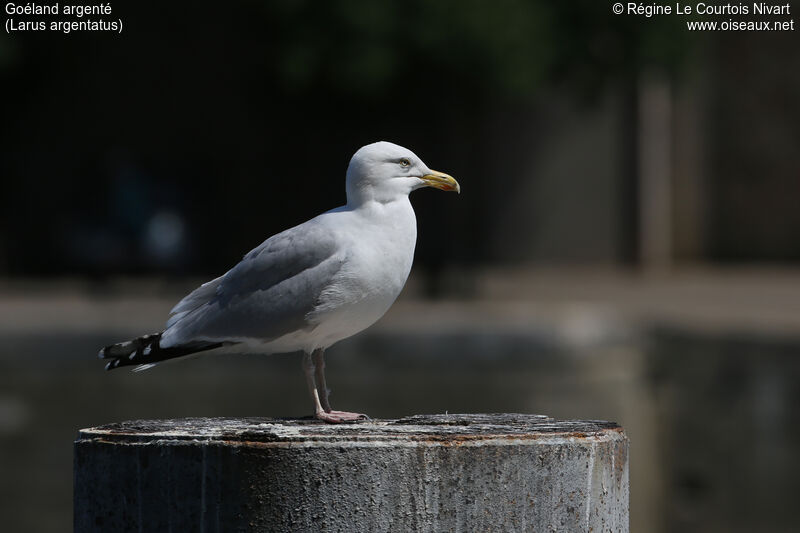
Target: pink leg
(315, 379)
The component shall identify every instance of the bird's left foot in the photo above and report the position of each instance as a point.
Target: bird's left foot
(340, 417)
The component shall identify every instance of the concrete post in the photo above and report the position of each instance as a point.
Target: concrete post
(432, 473)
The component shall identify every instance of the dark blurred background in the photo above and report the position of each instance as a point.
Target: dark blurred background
(626, 245)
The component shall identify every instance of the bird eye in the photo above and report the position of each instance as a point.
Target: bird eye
(405, 162)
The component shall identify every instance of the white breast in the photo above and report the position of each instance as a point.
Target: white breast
(372, 275)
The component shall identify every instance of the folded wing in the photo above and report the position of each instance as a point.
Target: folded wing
(267, 295)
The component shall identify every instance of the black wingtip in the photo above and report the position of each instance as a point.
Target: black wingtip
(145, 351)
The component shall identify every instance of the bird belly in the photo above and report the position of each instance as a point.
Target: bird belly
(369, 281)
(361, 294)
(329, 327)
(347, 321)
(356, 298)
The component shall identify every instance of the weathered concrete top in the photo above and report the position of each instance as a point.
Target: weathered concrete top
(427, 473)
(442, 429)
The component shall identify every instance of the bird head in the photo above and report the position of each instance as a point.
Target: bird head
(384, 172)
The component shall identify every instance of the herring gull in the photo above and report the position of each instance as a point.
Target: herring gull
(310, 286)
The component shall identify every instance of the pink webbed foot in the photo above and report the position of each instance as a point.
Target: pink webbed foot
(340, 417)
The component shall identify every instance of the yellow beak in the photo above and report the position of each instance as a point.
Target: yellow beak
(440, 180)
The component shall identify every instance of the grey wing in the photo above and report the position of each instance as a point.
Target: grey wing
(267, 295)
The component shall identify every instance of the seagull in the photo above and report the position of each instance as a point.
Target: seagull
(310, 286)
